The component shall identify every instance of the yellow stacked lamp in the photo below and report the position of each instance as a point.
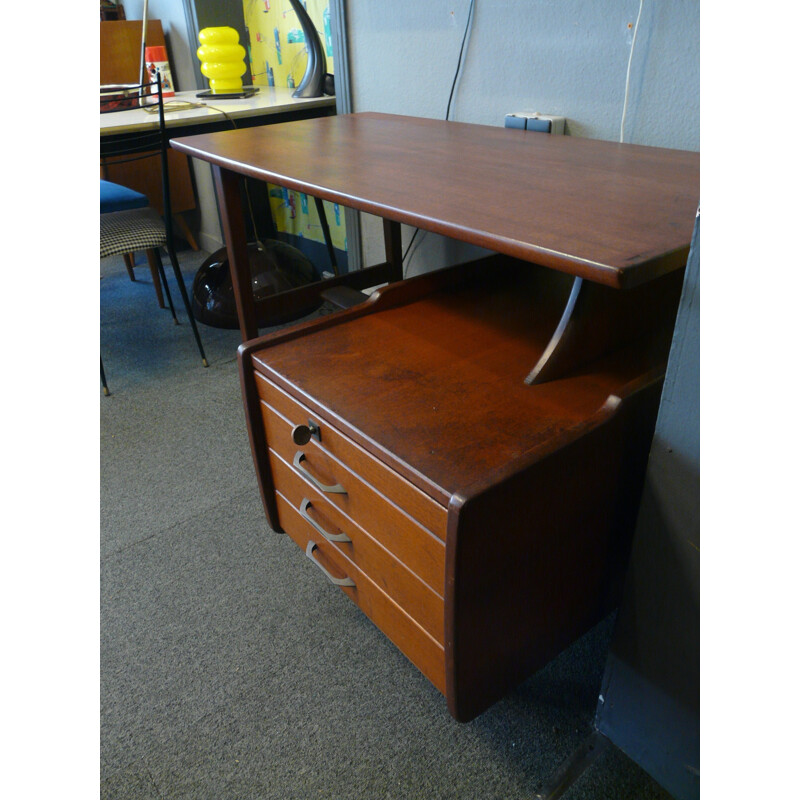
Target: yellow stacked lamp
(222, 61)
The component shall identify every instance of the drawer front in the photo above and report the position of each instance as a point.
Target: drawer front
(390, 575)
(390, 525)
(416, 644)
(419, 505)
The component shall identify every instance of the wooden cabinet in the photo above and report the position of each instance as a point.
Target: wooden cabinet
(463, 453)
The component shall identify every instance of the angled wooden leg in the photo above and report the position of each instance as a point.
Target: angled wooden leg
(129, 263)
(185, 231)
(156, 278)
(106, 392)
(232, 216)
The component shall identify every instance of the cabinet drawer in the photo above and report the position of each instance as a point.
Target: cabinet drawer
(415, 643)
(390, 525)
(419, 505)
(391, 576)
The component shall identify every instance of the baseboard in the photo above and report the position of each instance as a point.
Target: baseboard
(209, 243)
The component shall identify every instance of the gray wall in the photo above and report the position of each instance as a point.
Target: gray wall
(565, 57)
(649, 704)
(173, 21)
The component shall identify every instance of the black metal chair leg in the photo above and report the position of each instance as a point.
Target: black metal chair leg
(326, 232)
(106, 392)
(186, 302)
(164, 283)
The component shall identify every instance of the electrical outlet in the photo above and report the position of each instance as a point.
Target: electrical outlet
(534, 121)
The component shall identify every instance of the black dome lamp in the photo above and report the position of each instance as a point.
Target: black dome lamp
(275, 267)
(314, 80)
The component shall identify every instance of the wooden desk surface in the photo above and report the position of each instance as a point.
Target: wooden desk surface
(617, 214)
(267, 101)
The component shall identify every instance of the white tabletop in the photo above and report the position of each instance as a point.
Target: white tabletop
(268, 100)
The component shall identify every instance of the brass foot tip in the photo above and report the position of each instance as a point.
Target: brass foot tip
(205, 363)
(105, 391)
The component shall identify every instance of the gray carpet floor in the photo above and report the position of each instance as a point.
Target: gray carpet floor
(229, 667)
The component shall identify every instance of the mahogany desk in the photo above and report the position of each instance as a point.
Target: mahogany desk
(463, 453)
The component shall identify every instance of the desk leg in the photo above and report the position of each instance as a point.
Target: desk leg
(394, 249)
(233, 227)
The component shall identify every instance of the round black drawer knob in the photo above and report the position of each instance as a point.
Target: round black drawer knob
(301, 434)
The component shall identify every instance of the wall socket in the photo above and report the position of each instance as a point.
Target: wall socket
(534, 121)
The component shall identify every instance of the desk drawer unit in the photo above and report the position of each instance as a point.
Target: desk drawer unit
(391, 566)
(481, 524)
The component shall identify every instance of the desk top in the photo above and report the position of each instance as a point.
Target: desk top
(268, 100)
(617, 214)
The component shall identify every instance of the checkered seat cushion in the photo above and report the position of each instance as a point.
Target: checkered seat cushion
(130, 231)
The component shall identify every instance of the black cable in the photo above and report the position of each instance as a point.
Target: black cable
(460, 56)
(449, 102)
(416, 231)
(230, 119)
(402, 260)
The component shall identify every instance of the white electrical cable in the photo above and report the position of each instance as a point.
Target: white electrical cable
(628, 76)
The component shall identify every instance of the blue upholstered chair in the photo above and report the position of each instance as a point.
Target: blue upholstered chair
(128, 223)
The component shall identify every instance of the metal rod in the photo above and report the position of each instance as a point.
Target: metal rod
(144, 40)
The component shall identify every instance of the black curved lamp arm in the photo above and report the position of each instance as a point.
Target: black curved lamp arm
(314, 78)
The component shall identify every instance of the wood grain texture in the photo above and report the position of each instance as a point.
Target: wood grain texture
(543, 548)
(435, 388)
(415, 643)
(419, 505)
(422, 552)
(394, 577)
(121, 48)
(617, 214)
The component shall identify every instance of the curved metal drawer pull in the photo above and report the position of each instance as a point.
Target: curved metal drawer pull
(300, 456)
(331, 537)
(338, 581)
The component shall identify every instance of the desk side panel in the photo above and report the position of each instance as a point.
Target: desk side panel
(536, 558)
(257, 436)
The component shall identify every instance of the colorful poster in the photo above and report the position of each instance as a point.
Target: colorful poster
(278, 57)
